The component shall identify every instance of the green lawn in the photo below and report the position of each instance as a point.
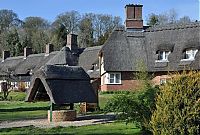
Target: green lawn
(17, 110)
(15, 96)
(103, 99)
(23, 115)
(14, 110)
(21, 104)
(102, 129)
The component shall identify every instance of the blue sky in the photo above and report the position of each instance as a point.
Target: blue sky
(49, 9)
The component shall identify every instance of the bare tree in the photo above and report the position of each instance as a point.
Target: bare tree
(184, 19)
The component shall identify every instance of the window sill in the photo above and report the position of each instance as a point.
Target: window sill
(161, 61)
(187, 59)
(113, 83)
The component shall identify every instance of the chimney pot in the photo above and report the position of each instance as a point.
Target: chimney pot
(6, 54)
(27, 51)
(72, 42)
(49, 48)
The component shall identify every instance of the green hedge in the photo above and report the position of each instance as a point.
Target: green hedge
(114, 92)
(178, 106)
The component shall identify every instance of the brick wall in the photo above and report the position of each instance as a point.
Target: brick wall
(127, 83)
(159, 76)
(134, 23)
(134, 17)
(62, 115)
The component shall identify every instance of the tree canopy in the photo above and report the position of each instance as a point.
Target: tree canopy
(92, 29)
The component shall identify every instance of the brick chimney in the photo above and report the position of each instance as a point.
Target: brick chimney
(27, 52)
(72, 42)
(49, 49)
(134, 20)
(5, 54)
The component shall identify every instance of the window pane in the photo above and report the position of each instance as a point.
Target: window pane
(161, 55)
(117, 80)
(112, 80)
(111, 76)
(166, 55)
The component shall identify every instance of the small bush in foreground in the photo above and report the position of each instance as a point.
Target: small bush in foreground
(134, 107)
(178, 106)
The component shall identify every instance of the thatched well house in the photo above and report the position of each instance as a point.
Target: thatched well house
(61, 85)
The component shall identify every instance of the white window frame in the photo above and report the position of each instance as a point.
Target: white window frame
(191, 54)
(27, 85)
(114, 78)
(164, 54)
(163, 81)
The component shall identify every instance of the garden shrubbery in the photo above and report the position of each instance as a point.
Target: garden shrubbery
(134, 107)
(178, 106)
(171, 109)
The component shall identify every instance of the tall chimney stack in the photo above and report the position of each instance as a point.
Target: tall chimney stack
(6, 54)
(134, 20)
(72, 42)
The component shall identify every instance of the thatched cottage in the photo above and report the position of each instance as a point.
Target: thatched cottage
(19, 70)
(161, 49)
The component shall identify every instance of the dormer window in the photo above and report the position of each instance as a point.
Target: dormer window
(163, 56)
(189, 54)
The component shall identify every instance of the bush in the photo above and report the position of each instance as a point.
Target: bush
(178, 106)
(114, 92)
(134, 107)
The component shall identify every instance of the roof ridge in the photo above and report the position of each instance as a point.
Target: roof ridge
(175, 26)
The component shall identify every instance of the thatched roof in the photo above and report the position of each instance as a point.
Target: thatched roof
(178, 38)
(23, 66)
(88, 60)
(63, 84)
(124, 50)
(32, 63)
(8, 65)
(64, 57)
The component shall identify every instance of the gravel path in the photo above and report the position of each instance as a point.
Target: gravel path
(43, 123)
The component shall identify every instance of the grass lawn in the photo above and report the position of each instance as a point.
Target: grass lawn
(102, 129)
(16, 110)
(23, 115)
(103, 99)
(15, 96)
(21, 104)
